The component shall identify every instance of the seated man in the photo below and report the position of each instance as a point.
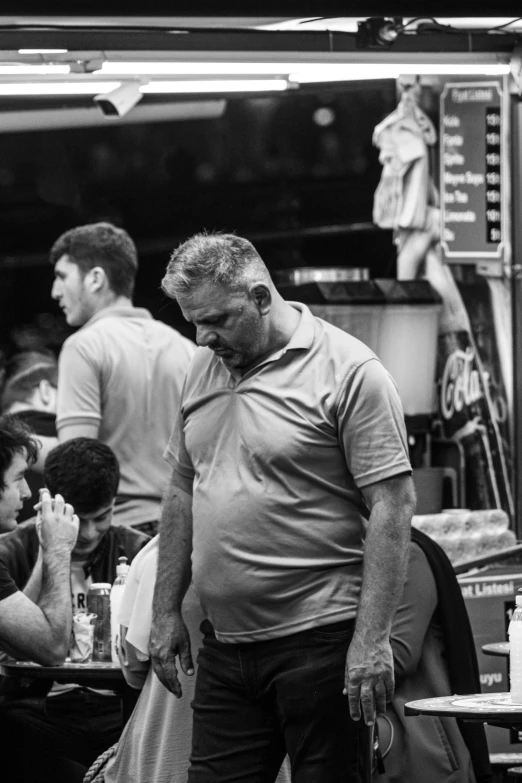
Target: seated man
(39, 630)
(29, 394)
(70, 722)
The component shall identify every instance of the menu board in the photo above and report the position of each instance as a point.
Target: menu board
(473, 170)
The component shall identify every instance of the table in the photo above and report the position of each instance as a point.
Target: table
(81, 673)
(496, 648)
(95, 674)
(495, 708)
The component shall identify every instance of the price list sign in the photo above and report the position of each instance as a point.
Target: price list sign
(473, 170)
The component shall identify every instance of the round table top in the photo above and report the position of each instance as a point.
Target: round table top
(67, 672)
(496, 707)
(496, 648)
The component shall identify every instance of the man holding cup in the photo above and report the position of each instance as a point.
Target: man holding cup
(36, 630)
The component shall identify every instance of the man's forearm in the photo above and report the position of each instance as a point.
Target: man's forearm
(386, 552)
(175, 549)
(33, 587)
(55, 596)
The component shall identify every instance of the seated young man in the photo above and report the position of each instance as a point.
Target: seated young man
(39, 630)
(70, 722)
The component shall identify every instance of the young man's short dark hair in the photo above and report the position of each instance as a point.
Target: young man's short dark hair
(104, 245)
(23, 373)
(85, 471)
(15, 438)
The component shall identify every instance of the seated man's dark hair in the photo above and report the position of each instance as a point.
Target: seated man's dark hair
(85, 472)
(104, 245)
(23, 373)
(15, 438)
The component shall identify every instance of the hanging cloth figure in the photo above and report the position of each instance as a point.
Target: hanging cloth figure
(401, 198)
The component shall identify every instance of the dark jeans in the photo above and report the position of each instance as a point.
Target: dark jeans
(255, 702)
(56, 738)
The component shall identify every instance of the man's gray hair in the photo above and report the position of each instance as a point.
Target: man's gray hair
(223, 259)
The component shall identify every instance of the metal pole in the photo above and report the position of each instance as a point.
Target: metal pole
(516, 294)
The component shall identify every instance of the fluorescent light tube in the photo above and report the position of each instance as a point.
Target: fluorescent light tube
(42, 51)
(313, 71)
(353, 72)
(34, 70)
(202, 68)
(57, 88)
(212, 85)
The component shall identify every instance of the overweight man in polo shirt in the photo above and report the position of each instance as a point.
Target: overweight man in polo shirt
(120, 375)
(289, 506)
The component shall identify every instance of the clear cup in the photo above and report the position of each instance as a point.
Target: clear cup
(82, 637)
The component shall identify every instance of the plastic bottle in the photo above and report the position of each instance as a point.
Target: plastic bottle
(515, 651)
(122, 569)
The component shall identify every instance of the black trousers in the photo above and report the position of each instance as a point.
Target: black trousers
(56, 738)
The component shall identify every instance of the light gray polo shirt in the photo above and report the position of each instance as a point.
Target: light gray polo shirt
(275, 460)
(124, 371)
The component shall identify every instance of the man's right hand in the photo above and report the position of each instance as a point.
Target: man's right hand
(170, 637)
(57, 524)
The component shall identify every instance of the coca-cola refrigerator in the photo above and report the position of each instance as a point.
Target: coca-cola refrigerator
(471, 268)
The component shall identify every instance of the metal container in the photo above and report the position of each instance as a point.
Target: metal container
(98, 602)
(302, 275)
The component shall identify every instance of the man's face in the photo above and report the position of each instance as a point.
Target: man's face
(70, 292)
(93, 527)
(227, 322)
(15, 492)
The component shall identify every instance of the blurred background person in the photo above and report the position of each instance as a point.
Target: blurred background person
(29, 393)
(120, 376)
(155, 745)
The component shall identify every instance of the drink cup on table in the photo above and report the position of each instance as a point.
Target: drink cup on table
(82, 637)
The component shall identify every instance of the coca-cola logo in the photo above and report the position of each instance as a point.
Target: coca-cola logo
(460, 383)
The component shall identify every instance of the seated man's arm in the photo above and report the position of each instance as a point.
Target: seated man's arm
(41, 632)
(33, 587)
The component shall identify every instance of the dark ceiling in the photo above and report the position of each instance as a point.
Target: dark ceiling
(249, 8)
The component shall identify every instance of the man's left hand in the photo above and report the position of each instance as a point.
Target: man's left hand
(369, 679)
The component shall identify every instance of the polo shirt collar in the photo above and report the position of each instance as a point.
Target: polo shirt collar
(303, 337)
(120, 312)
(301, 340)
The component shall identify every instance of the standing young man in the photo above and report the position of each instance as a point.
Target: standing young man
(120, 376)
(39, 630)
(289, 506)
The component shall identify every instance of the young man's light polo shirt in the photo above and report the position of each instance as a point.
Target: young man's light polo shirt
(276, 460)
(124, 371)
